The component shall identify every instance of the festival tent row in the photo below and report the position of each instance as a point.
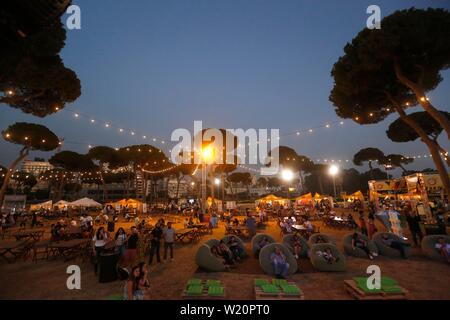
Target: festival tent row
(62, 204)
(272, 199)
(127, 203)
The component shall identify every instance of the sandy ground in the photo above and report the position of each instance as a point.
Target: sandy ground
(424, 278)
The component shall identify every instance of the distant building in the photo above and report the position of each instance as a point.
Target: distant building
(36, 167)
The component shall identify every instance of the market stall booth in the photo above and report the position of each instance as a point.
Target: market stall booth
(47, 205)
(85, 203)
(272, 200)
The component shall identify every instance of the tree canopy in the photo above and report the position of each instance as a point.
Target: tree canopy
(32, 136)
(33, 77)
(399, 131)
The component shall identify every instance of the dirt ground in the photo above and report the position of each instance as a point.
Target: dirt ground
(424, 278)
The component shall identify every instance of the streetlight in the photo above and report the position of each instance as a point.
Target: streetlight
(287, 175)
(207, 155)
(333, 171)
(217, 181)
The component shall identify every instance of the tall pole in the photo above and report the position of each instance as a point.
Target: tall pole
(203, 187)
(334, 185)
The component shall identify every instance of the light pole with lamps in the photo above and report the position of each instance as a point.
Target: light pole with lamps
(287, 175)
(333, 171)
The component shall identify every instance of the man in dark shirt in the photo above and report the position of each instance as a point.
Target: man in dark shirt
(414, 225)
(155, 243)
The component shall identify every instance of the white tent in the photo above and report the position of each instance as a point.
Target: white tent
(84, 202)
(61, 203)
(43, 205)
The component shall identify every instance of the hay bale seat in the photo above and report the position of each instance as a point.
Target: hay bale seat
(288, 241)
(312, 240)
(206, 260)
(384, 250)
(321, 264)
(429, 249)
(226, 239)
(257, 238)
(265, 263)
(358, 252)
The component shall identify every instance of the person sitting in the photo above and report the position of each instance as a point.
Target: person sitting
(308, 225)
(216, 253)
(144, 283)
(190, 223)
(328, 256)
(320, 239)
(359, 242)
(279, 263)
(186, 223)
(225, 252)
(444, 248)
(236, 222)
(132, 288)
(235, 248)
(261, 244)
(297, 245)
(351, 221)
(395, 244)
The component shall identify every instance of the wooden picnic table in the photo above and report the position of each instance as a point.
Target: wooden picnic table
(189, 233)
(69, 249)
(11, 248)
(35, 235)
(240, 231)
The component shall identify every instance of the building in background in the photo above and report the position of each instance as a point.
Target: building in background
(36, 167)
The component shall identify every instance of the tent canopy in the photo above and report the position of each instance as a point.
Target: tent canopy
(61, 203)
(43, 205)
(270, 197)
(304, 197)
(85, 202)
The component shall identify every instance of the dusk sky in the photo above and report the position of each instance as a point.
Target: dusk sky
(155, 66)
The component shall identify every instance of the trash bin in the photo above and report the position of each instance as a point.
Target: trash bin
(111, 226)
(107, 265)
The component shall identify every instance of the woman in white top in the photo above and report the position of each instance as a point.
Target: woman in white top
(100, 239)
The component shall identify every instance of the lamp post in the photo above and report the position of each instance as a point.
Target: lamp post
(207, 154)
(287, 175)
(333, 171)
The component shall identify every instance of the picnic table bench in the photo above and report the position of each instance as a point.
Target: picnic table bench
(13, 249)
(34, 235)
(240, 231)
(69, 249)
(189, 234)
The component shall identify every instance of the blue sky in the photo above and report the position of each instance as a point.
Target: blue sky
(155, 66)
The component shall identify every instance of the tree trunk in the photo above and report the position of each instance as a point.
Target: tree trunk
(371, 170)
(23, 153)
(434, 151)
(105, 190)
(426, 105)
(320, 183)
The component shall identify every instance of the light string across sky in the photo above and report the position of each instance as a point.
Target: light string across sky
(163, 142)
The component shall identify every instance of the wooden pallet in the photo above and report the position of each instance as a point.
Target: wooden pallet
(204, 295)
(353, 289)
(261, 295)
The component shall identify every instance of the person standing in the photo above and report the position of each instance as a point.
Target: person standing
(362, 223)
(156, 234)
(250, 223)
(169, 239)
(414, 225)
(131, 252)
